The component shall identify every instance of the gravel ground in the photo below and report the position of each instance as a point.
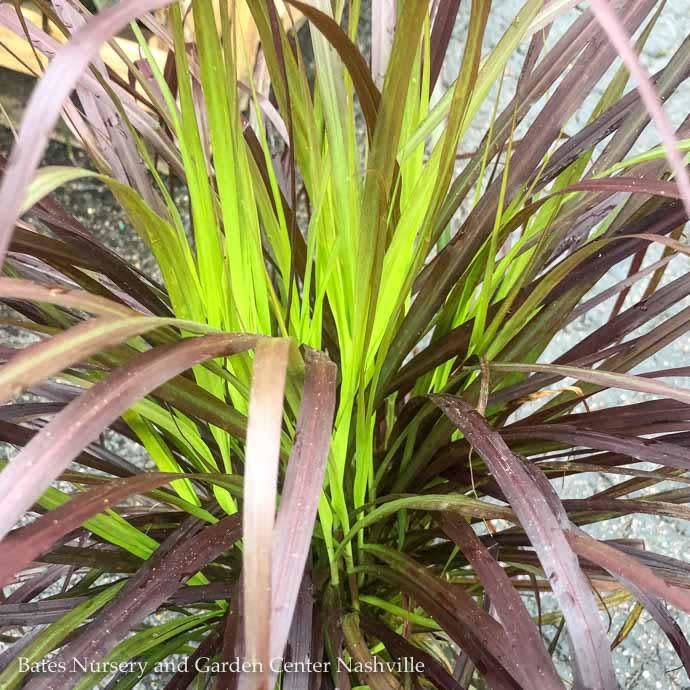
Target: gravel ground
(645, 659)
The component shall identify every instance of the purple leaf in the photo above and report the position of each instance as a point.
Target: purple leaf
(20, 547)
(508, 604)
(260, 493)
(43, 110)
(627, 566)
(618, 36)
(51, 451)
(441, 33)
(301, 491)
(542, 519)
(185, 552)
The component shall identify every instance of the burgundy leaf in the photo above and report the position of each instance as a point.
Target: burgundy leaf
(182, 679)
(301, 491)
(184, 553)
(46, 358)
(506, 600)
(541, 521)
(51, 451)
(400, 647)
(299, 646)
(441, 33)
(624, 565)
(618, 35)
(369, 96)
(43, 110)
(23, 545)
(664, 620)
(470, 627)
(260, 491)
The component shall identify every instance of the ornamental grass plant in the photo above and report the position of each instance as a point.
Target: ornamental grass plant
(357, 443)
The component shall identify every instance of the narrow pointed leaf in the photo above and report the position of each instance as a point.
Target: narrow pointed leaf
(301, 492)
(168, 569)
(49, 452)
(43, 109)
(260, 493)
(537, 515)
